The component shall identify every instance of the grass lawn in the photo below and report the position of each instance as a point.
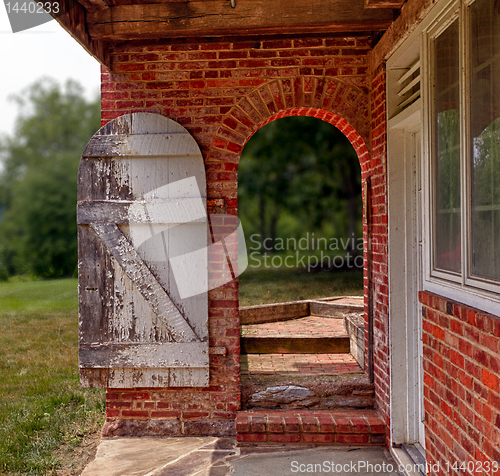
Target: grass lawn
(44, 414)
(267, 285)
(45, 417)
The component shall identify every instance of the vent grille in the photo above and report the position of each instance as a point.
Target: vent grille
(410, 86)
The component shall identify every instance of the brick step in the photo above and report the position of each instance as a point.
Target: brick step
(258, 344)
(352, 427)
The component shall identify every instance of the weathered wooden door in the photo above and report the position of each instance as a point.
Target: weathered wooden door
(141, 204)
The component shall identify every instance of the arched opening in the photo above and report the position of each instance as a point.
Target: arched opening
(299, 196)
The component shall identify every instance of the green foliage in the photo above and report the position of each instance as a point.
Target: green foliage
(485, 196)
(38, 179)
(41, 403)
(298, 175)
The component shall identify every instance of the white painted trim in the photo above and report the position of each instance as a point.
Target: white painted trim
(477, 298)
(397, 287)
(405, 464)
(415, 35)
(405, 275)
(407, 118)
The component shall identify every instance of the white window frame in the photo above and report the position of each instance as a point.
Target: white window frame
(481, 293)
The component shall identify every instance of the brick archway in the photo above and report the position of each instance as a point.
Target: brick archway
(222, 92)
(337, 102)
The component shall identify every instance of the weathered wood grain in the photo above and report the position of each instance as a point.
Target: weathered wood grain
(140, 206)
(131, 319)
(150, 377)
(162, 355)
(103, 212)
(95, 281)
(104, 179)
(93, 5)
(188, 377)
(132, 378)
(394, 4)
(144, 211)
(146, 283)
(194, 18)
(149, 145)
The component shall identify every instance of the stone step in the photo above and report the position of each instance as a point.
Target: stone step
(310, 392)
(307, 427)
(305, 344)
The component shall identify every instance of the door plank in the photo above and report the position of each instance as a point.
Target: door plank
(127, 257)
(137, 145)
(142, 211)
(142, 203)
(162, 355)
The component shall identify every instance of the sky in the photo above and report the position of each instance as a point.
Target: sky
(46, 50)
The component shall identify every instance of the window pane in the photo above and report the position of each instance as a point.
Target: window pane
(485, 140)
(446, 157)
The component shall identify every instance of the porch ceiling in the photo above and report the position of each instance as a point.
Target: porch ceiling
(98, 23)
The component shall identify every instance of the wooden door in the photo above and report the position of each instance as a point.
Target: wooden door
(141, 203)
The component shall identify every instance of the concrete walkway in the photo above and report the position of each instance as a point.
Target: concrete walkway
(208, 456)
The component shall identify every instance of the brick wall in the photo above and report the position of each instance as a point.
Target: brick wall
(222, 92)
(461, 386)
(378, 171)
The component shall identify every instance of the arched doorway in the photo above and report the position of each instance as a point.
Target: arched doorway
(298, 353)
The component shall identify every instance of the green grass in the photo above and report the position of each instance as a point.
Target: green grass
(42, 406)
(267, 285)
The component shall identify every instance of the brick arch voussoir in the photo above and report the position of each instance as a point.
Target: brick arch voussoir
(342, 105)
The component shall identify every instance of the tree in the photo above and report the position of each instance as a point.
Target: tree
(38, 179)
(299, 173)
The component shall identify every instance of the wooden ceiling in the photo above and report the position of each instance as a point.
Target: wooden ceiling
(98, 23)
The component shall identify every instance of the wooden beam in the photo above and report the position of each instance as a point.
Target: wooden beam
(394, 4)
(160, 210)
(94, 5)
(151, 355)
(72, 17)
(217, 18)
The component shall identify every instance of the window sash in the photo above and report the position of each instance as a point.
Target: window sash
(445, 153)
(464, 279)
(483, 161)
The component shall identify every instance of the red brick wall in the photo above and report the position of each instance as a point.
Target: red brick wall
(461, 386)
(222, 92)
(378, 172)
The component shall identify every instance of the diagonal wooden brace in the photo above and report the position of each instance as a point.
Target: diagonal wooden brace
(147, 284)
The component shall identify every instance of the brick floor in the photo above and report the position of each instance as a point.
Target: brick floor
(360, 427)
(268, 364)
(305, 326)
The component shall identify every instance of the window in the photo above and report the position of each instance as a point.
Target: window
(484, 160)
(446, 150)
(463, 52)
